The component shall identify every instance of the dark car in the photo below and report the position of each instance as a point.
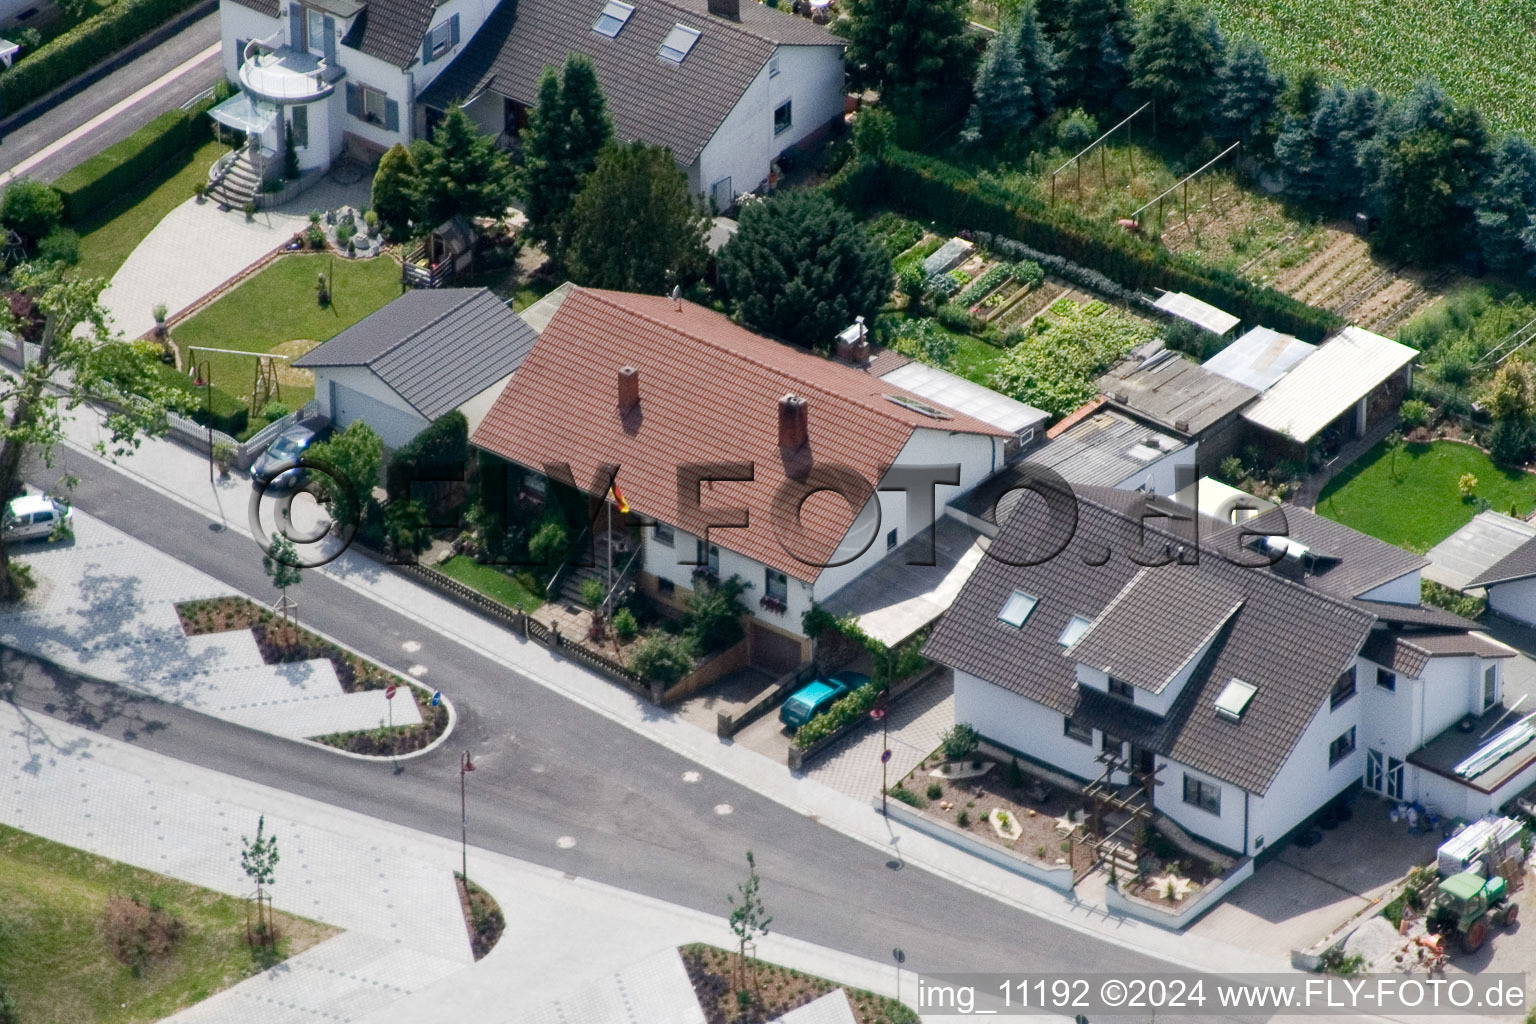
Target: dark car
(817, 696)
(289, 447)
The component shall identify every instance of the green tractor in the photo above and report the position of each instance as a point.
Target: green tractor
(1467, 903)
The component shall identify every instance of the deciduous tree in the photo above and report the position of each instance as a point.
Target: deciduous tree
(635, 226)
(802, 268)
(356, 454)
(79, 360)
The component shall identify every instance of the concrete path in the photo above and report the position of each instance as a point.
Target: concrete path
(405, 953)
(108, 111)
(197, 247)
(105, 606)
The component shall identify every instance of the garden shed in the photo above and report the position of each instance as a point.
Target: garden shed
(1180, 396)
(448, 250)
(1352, 379)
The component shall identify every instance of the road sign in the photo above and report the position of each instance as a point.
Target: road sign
(437, 697)
(389, 692)
(885, 757)
(898, 955)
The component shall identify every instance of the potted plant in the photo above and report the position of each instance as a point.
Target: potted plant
(200, 190)
(223, 457)
(159, 313)
(250, 210)
(371, 219)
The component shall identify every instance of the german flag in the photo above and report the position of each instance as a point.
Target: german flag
(618, 498)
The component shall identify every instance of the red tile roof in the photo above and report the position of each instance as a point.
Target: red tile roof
(709, 392)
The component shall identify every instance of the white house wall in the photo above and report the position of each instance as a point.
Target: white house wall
(978, 456)
(1024, 725)
(1224, 829)
(362, 380)
(666, 562)
(1305, 782)
(375, 74)
(811, 78)
(1516, 599)
(472, 14)
(1403, 590)
(237, 23)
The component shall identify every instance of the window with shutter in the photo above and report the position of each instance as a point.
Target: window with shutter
(391, 116)
(354, 100)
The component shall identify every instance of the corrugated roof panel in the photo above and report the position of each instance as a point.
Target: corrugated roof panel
(1323, 386)
(961, 395)
(1197, 311)
(1259, 358)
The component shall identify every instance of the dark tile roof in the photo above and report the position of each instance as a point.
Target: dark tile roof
(1174, 391)
(1288, 639)
(1354, 562)
(271, 8)
(1385, 647)
(1416, 615)
(390, 30)
(1137, 641)
(437, 348)
(1519, 564)
(679, 106)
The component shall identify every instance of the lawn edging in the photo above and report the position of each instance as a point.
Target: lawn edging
(1058, 878)
(1188, 912)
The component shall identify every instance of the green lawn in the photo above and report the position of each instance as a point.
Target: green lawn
(975, 359)
(490, 580)
(57, 966)
(276, 311)
(1419, 506)
(108, 237)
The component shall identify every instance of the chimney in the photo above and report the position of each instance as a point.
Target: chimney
(629, 389)
(853, 343)
(726, 8)
(794, 428)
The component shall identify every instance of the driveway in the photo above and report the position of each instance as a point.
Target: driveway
(1302, 895)
(198, 247)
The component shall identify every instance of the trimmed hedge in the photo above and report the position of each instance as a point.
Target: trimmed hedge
(83, 46)
(89, 186)
(938, 190)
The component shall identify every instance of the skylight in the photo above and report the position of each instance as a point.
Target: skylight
(678, 42)
(615, 15)
(1017, 608)
(921, 408)
(1074, 631)
(1234, 699)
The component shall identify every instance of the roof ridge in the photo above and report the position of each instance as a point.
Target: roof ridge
(738, 25)
(876, 408)
(1343, 604)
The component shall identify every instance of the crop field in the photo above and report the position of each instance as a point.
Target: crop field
(1478, 49)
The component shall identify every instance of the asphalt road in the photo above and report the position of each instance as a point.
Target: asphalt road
(43, 130)
(547, 768)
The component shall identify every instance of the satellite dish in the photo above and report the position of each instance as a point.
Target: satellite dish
(677, 295)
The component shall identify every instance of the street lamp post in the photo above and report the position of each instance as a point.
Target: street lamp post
(206, 372)
(466, 765)
(878, 714)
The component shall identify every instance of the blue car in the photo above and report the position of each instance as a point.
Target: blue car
(815, 697)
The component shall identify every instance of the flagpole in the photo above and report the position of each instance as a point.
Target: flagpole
(610, 543)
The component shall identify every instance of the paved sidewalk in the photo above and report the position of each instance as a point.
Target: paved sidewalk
(105, 606)
(197, 247)
(182, 476)
(405, 953)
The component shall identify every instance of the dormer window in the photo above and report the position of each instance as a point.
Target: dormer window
(678, 42)
(613, 19)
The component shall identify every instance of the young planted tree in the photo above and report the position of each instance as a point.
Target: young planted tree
(802, 268)
(1177, 64)
(460, 172)
(356, 454)
(258, 859)
(635, 227)
(391, 192)
(749, 921)
(905, 49)
(79, 360)
(281, 564)
(567, 129)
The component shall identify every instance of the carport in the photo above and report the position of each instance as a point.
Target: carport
(1476, 548)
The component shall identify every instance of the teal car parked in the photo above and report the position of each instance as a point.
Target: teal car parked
(815, 697)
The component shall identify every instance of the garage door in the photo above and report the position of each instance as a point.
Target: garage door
(396, 426)
(773, 651)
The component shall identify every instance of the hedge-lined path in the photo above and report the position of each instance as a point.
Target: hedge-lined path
(110, 110)
(198, 247)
